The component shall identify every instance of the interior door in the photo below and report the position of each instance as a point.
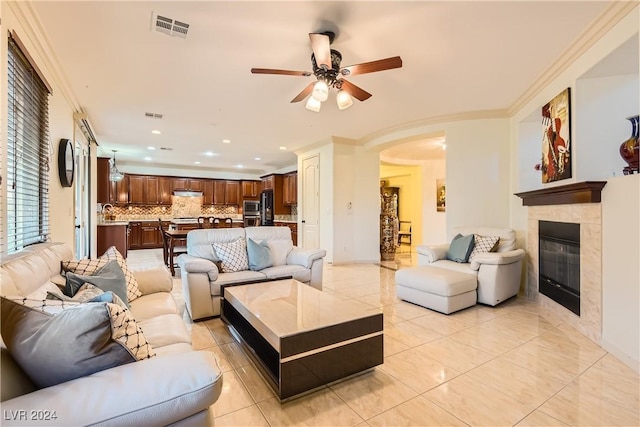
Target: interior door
(311, 203)
(82, 201)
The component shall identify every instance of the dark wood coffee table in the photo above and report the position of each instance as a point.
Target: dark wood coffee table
(301, 338)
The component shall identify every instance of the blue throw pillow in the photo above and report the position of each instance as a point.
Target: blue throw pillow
(460, 248)
(108, 278)
(259, 255)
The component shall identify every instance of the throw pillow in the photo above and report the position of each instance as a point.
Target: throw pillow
(87, 293)
(110, 278)
(460, 248)
(483, 244)
(133, 291)
(58, 341)
(259, 255)
(232, 255)
(83, 266)
(280, 250)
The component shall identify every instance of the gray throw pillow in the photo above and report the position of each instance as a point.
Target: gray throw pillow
(57, 341)
(460, 248)
(108, 278)
(259, 255)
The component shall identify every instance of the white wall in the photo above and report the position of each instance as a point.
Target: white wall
(61, 200)
(621, 268)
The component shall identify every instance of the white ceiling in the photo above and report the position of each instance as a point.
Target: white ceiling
(457, 57)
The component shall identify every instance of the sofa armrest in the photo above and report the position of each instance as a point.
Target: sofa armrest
(433, 253)
(154, 280)
(192, 264)
(156, 391)
(497, 258)
(304, 257)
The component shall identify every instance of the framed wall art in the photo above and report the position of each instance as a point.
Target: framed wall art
(556, 138)
(441, 195)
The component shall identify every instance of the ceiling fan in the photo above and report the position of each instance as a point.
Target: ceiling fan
(328, 72)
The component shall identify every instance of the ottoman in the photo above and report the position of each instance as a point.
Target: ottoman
(436, 288)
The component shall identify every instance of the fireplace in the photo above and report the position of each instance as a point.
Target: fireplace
(559, 263)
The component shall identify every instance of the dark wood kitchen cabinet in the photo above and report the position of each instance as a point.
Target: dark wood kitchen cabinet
(150, 235)
(250, 189)
(136, 189)
(165, 188)
(134, 235)
(151, 193)
(290, 188)
(112, 235)
(219, 191)
(232, 193)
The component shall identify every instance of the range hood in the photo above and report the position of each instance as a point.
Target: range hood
(185, 193)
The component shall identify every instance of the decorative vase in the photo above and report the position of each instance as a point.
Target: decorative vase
(629, 149)
(388, 226)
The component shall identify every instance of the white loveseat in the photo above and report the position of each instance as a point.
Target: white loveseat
(498, 273)
(202, 279)
(175, 384)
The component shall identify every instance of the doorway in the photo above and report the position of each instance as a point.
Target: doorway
(310, 202)
(82, 200)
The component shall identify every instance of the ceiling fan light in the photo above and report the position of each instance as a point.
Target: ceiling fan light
(344, 100)
(320, 91)
(313, 104)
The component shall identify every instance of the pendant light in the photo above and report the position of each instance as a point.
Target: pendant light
(114, 174)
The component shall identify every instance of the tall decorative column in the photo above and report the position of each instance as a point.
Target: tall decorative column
(388, 226)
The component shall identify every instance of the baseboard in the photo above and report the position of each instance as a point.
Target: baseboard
(621, 356)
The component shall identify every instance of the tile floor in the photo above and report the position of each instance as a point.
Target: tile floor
(513, 364)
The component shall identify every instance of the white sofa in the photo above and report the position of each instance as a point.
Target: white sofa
(498, 273)
(175, 384)
(201, 279)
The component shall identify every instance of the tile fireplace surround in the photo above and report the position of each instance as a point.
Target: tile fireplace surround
(574, 203)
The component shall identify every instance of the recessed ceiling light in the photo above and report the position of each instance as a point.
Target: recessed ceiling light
(151, 148)
(148, 159)
(226, 141)
(283, 147)
(257, 158)
(239, 166)
(156, 132)
(196, 162)
(209, 153)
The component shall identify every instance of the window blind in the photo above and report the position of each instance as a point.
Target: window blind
(27, 153)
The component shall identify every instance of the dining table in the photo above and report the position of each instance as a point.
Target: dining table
(173, 236)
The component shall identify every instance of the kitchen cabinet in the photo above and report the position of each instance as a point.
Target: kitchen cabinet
(268, 182)
(134, 235)
(219, 191)
(165, 188)
(196, 185)
(136, 189)
(290, 188)
(104, 185)
(119, 191)
(150, 235)
(250, 189)
(112, 235)
(151, 190)
(208, 192)
(232, 193)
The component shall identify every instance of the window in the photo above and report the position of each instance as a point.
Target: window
(27, 152)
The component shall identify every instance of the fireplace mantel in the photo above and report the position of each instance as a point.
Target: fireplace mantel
(581, 192)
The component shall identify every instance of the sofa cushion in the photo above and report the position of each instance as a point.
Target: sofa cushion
(133, 291)
(85, 267)
(56, 341)
(87, 293)
(259, 255)
(232, 255)
(280, 250)
(460, 248)
(152, 305)
(109, 278)
(483, 244)
(166, 329)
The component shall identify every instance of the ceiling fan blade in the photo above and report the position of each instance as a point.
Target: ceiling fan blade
(373, 66)
(281, 72)
(305, 92)
(355, 91)
(321, 50)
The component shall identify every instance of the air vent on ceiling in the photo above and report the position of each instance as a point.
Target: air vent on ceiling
(169, 26)
(153, 115)
(166, 148)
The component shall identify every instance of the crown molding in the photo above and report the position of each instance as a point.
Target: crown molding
(594, 32)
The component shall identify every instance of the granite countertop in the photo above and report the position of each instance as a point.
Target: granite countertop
(111, 223)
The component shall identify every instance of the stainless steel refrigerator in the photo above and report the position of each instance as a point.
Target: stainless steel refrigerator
(266, 207)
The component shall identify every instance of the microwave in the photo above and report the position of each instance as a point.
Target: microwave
(251, 207)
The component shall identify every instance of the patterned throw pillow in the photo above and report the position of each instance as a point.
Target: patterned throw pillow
(84, 267)
(56, 341)
(232, 255)
(483, 244)
(133, 291)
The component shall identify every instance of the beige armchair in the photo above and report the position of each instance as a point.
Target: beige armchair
(498, 273)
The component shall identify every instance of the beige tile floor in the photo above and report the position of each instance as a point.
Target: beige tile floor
(513, 364)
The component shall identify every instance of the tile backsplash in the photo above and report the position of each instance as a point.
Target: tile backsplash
(155, 212)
